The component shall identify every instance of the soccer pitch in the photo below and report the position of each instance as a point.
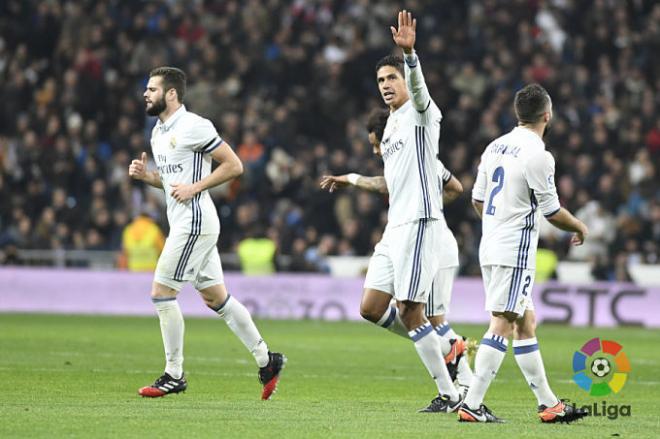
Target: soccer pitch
(77, 376)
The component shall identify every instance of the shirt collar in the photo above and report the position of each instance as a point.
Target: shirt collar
(530, 133)
(165, 126)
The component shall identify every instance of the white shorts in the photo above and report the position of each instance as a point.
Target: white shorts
(508, 289)
(190, 258)
(405, 260)
(441, 288)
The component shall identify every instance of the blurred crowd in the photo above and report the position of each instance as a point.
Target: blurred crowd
(288, 84)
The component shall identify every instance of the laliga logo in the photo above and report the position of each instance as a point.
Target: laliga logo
(600, 367)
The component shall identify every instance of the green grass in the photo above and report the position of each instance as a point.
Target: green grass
(73, 376)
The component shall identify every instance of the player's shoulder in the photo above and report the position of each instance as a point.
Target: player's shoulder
(194, 119)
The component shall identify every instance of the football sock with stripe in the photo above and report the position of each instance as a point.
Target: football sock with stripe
(528, 357)
(464, 372)
(240, 322)
(489, 358)
(171, 328)
(391, 320)
(429, 348)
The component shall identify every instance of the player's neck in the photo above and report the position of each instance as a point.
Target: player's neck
(398, 105)
(538, 128)
(169, 111)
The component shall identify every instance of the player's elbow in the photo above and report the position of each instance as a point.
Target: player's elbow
(238, 168)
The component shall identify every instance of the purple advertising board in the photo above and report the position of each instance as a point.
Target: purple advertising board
(309, 296)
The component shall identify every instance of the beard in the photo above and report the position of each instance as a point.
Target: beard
(157, 107)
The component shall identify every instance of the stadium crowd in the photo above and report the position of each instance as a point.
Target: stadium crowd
(289, 84)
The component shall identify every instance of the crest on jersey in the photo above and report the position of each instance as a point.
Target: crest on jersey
(173, 142)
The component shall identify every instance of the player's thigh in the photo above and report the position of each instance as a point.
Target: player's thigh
(508, 289)
(210, 272)
(441, 289)
(170, 260)
(525, 327)
(380, 273)
(415, 260)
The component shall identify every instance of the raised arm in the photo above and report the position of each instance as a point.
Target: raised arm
(404, 37)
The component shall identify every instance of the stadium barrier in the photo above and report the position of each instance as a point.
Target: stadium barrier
(310, 296)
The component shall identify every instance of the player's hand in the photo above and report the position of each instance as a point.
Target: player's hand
(332, 182)
(579, 236)
(183, 192)
(138, 168)
(404, 36)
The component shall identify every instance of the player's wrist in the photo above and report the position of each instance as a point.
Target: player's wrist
(353, 178)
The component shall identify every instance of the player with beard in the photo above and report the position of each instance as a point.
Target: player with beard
(183, 145)
(515, 184)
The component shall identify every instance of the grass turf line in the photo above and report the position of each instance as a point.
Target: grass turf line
(77, 376)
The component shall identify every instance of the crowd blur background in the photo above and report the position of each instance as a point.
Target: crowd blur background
(288, 83)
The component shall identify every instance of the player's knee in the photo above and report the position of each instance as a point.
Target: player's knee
(370, 313)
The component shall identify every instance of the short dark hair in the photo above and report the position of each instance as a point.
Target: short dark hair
(172, 78)
(530, 103)
(376, 122)
(391, 60)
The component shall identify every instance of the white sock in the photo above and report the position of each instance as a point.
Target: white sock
(443, 330)
(428, 346)
(489, 358)
(464, 375)
(530, 363)
(171, 328)
(391, 320)
(240, 322)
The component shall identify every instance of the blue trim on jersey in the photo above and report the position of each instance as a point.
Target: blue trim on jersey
(519, 350)
(494, 344)
(420, 143)
(196, 221)
(417, 260)
(421, 332)
(428, 308)
(523, 253)
(215, 145)
(547, 215)
(387, 323)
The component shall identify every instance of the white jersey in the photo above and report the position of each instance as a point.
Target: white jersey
(409, 149)
(449, 250)
(515, 181)
(181, 148)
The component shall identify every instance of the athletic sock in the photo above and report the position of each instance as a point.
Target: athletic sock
(391, 320)
(489, 358)
(240, 322)
(445, 330)
(464, 375)
(428, 346)
(171, 328)
(442, 330)
(530, 363)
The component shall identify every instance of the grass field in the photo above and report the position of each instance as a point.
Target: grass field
(73, 376)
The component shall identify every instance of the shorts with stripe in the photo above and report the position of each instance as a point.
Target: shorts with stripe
(190, 258)
(441, 288)
(405, 261)
(508, 289)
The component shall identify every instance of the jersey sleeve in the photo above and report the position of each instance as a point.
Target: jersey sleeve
(419, 92)
(443, 173)
(540, 175)
(204, 138)
(479, 189)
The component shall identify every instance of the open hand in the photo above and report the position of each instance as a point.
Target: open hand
(332, 182)
(404, 37)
